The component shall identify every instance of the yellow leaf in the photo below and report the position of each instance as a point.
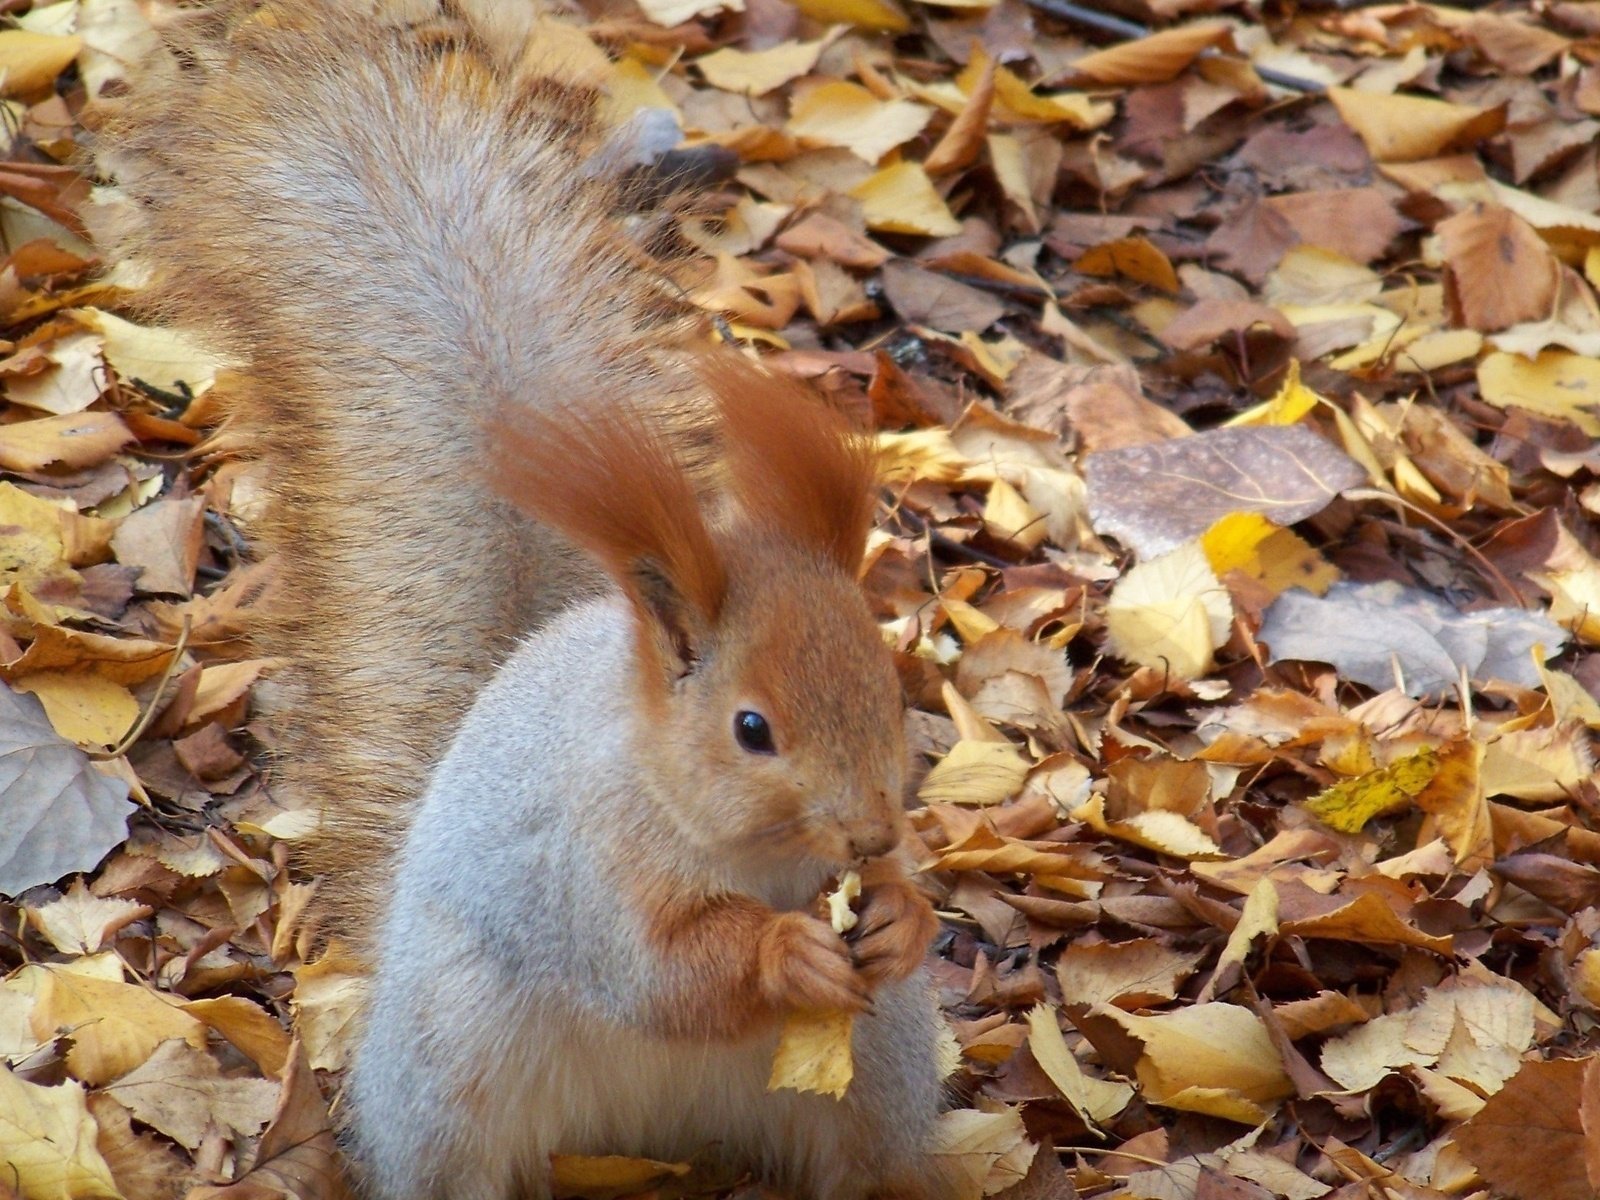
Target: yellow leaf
(1010, 518)
(975, 772)
(115, 1026)
(634, 86)
(882, 15)
(1170, 614)
(1351, 803)
(1368, 918)
(969, 622)
(1547, 764)
(1259, 918)
(1209, 1058)
(79, 922)
(47, 1142)
(814, 1054)
(846, 114)
(248, 1026)
(1160, 830)
(83, 707)
(1456, 798)
(1135, 258)
(1290, 404)
(1019, 102)
(928, 454)
(1567, 696)
(30, 62)
(604, 1176)
(1279, 558)
(1407, 128)
(329, 995)
(986, 1148)
(74, 440)
(161, 357)
(1094, 1100)
(1556, 384)
(73, 381)
(675, 12)
(757, 72)
(1156, 58)
(902, 199)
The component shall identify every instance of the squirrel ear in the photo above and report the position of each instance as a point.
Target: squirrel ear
(669, 619)
(794, 463)
(610, 483)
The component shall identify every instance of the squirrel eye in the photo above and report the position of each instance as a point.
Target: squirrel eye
(753, 732)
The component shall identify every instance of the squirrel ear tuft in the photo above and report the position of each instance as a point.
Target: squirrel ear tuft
(794, 463)
(609, 482)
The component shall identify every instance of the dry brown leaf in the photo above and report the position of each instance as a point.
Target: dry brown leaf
(1532, 1139)
(47, 1141)
(81, 923)
(74, 440)
(1500, 270)
(181, 1091)
(1208, 1058)
(1155, 58)
(1408, 128)
(1142, 973)
(115, 1026)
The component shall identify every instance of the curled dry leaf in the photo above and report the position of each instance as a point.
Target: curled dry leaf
(1208, 1058)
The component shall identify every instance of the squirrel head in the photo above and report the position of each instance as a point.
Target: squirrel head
(767, 707)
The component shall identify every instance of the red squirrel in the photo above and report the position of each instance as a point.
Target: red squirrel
(582, 678)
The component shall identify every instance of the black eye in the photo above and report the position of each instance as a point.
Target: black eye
(753, 732)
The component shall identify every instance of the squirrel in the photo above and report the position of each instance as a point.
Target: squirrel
(582, 680)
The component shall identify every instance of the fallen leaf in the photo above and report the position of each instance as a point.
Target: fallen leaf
(81, 923)
(1532, 1139)
(1408, 128)
(115, 1026)
(1383, 635)
(1208, 1058)
(1155, 497)
(74, 440)
(61, 814)
(47, 1141)
(181, 1091)
(1170, 614)
(1095, 1100)
(898, 199)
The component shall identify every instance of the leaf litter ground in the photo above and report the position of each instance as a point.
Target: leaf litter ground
(1239, 397)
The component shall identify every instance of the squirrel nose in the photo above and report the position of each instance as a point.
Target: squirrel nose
(869, 839)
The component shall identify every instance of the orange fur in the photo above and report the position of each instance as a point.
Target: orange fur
(895, 925)
(728, 964)
(794, 465)
(610, 483)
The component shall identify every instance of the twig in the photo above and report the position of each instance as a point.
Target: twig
(1493, 572)
(949, 545)
(149, 714)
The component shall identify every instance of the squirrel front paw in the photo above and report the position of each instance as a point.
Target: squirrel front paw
(895, 929)
(804, 964)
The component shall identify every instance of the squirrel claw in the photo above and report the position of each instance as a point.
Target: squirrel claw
(804, 964)
(896, 927)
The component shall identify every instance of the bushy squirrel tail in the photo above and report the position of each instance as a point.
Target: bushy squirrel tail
(397, 233)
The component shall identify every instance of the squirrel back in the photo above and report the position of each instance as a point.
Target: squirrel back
(395, 237)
